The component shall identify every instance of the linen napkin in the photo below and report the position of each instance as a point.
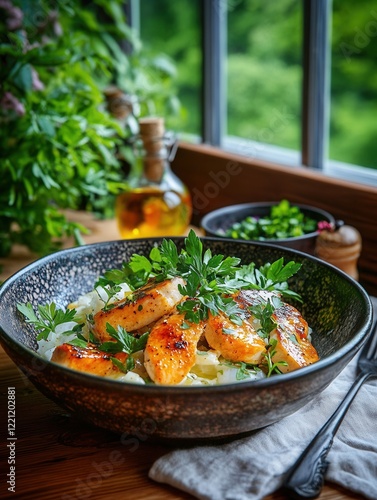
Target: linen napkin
(254, 467)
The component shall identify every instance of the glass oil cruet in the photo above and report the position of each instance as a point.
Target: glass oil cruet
(157, 202)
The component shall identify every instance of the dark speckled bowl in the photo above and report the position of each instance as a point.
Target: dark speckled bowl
(217, 222)
(336, 307)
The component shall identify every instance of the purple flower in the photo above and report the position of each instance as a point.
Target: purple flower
(14, 15)
(54, 20)
(10, 103)
(36, 82)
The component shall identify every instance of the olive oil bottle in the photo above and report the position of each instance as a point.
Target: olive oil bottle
(157, 202)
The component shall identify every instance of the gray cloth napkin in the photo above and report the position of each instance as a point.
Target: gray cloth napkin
(253, 467)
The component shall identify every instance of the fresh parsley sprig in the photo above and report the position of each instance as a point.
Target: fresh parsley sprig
(208, 279)
(271, 277)
(165, 260)
(271, 366)
(264, 313)
(48, 318)
(124, 342)
(135, 273)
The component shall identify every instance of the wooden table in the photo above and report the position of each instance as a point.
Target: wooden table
(58, 456)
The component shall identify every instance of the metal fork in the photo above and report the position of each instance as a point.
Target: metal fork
(305, 479)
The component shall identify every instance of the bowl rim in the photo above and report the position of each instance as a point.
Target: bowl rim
(152, 389)
(229, 209)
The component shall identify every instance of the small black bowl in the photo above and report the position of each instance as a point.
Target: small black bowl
(336, 307)
(217, 222)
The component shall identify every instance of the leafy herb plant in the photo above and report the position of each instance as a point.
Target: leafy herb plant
(283, 221)
(58, 142)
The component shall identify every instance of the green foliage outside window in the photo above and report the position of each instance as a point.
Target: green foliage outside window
(264, 70)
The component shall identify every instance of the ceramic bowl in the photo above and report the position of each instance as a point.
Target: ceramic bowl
(336, 307)
(218, 221)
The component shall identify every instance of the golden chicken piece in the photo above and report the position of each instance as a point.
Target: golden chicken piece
(237, 343)
(89, 359)
(291, 332)
(148, 305)
(242, 343)
(291, 335)
(170, 352)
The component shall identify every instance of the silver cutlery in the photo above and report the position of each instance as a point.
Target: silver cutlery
(306, 477)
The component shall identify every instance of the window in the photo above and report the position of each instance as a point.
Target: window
(353, 124)
(264, 42)
(174, 28)
(264, 79)
(289, 81)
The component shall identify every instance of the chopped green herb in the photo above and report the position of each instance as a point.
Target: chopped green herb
(124, 367)
(48, 318)
(270, 365)
(245, 371)
(283, 221)
(125, 341)
(263, 312)
(228, 331)
(79, 343)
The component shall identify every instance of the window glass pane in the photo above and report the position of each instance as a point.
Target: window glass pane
(264, 71)
(353, 123)
(174, 28)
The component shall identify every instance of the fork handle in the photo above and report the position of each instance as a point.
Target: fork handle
(306, 477)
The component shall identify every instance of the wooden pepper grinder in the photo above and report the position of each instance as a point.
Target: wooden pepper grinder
(340, 245)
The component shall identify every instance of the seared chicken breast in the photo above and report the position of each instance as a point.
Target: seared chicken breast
(146, 306)
(89, 359)
(291, 334)
(170, 352)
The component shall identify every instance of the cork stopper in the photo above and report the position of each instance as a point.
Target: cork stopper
(152, 132)
(118, 104)
(341, 247)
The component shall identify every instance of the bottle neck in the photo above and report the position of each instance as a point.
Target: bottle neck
(154, 168)
(154, 155)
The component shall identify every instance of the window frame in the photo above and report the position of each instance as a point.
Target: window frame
(316, 64)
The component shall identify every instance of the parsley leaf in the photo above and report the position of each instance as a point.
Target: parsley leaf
(272, 367)
(263, 312)
(165, 260)
(125, 341)
(47, 319)
(271, 277)
(135, 273)
(77, 342)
